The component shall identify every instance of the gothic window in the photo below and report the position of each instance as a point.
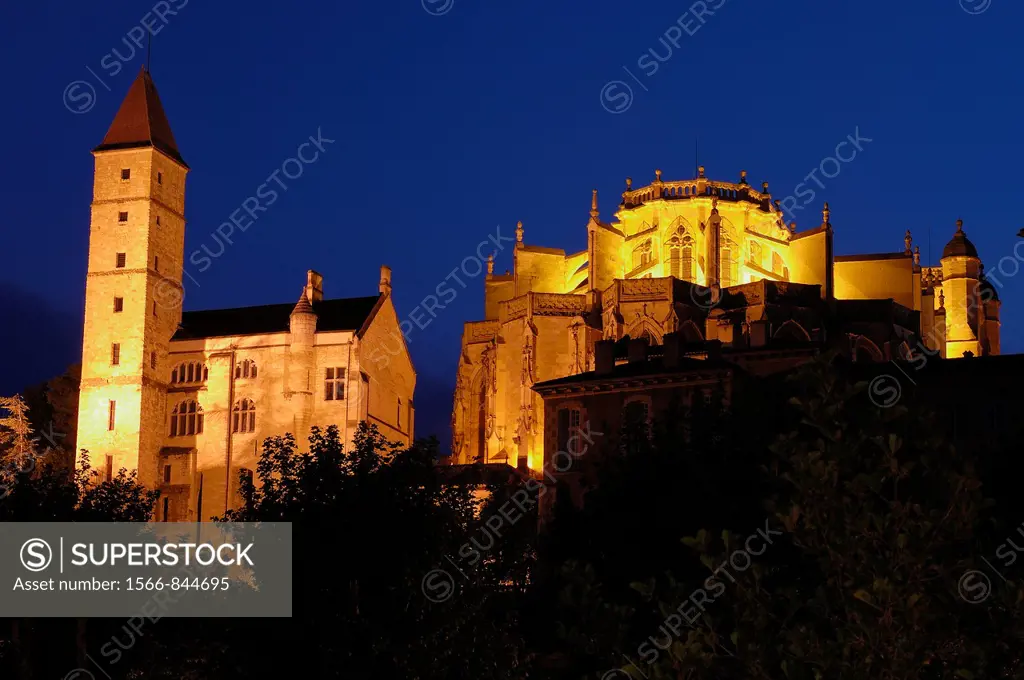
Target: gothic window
(243, 416)
(189, 372)
(642, 255)
(777, 264)
(334, 384)
(756, 257)
(680, 256)
(187, 419)
(727, 267)
(245, 369)
(568, 429)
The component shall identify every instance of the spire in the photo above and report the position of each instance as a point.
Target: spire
(593, 206)
(141, 121)
(490, 264)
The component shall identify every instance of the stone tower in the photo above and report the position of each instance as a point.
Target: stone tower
(961, 275)
(133, 289)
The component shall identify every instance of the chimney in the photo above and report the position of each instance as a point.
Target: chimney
(637, 350)
(672, 350)
(604, 356)
(314, 287)
(385, 279)
(758, 333)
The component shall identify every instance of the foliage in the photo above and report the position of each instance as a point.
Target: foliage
(880, 517)
(15, 429)
(369, 526)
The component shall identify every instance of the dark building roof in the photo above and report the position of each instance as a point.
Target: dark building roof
(343, 314)
(959, 245)
(141, 121)
(649, 368)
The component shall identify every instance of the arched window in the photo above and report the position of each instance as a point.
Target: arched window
(189, 372)
(756, 258)
(187, 419)
(680, 257)
(243, 416)
(245, 369)
(642, 254)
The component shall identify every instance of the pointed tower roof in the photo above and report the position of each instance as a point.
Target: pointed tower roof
(141, 121)
(303, 306)
(959, 245)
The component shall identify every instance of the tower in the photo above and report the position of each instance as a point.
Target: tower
(961, 273)
(133, 288)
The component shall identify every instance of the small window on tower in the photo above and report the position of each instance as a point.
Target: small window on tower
(111, 416)
(118, 305)
(121, 259)
(398, 416)
(167, 474)
(109, 474)
(122, 216)
(115, 354)
(154, 307)
(152, 359)
(126, 174)
(158, 220)
(156, 263)
(159, 179)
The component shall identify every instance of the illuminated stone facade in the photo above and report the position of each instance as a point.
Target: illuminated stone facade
(187, 398)
(707, 260)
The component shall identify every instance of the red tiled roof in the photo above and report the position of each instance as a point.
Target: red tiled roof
(141, 121)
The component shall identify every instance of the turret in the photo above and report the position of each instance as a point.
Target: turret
(961, 273)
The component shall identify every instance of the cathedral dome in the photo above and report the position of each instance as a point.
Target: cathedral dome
(959, 245)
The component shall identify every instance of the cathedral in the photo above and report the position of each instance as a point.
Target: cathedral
(706, 263)
(185, 398)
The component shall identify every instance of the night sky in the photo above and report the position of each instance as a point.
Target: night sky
(454, 117)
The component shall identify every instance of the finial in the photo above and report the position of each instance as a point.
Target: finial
(519, 231)
(629, 184)
(657, 175)
(764, 187)
(907, 241)
(792, 227)
(777, 207)
(942, 298)
(593, 205)
(714, 204)
(700, 171)
(917, 255)
(825, 214)
(490, 264)
(743, 176)
(959, 226)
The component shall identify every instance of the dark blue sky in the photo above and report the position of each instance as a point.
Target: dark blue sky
(449, 125)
